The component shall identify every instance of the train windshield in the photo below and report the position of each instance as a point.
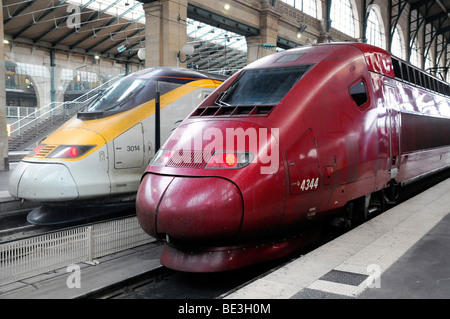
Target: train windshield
(262, 86)
(128, 93)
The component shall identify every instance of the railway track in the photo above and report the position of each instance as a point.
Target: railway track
(125, 287)
(14, 226)
(164, 283)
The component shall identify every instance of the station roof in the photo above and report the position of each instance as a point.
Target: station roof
(116, 28)
(112, 28)
(436, 12)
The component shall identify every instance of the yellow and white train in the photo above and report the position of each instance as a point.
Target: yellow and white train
(99, 156)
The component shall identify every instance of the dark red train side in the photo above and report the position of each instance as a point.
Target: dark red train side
(326, 130)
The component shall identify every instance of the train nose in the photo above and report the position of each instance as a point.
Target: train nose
(189, 209)
(43, 182)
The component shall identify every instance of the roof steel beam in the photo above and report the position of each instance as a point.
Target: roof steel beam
(219, 21)
(56, 27)
(116, 32)
(47, 12)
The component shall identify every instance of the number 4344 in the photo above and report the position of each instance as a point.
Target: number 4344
(309, 184)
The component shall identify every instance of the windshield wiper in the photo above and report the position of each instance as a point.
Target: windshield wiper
(219, 101)
(222, 96)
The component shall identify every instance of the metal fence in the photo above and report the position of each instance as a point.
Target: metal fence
(36, 255)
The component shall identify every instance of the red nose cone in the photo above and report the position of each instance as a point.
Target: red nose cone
(190, 209)
(149, 194)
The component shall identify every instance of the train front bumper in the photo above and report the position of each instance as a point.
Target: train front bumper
(188, 209)
(42, 182)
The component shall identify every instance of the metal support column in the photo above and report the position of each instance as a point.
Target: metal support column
(52, 78)
(4, 157)
(366, 17)
(396, 6)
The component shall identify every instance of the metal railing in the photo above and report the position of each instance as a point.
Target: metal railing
(40, 254)
(20, 112)
(54, 109)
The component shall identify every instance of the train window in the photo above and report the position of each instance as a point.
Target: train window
(405, 72)
(397, 70)
(439, 87)
(126, 94)
(417, 76)
(424, 80)
(408, 73)
(430, 82)
(411, 74)
(262, 86)
(358, 91)
(433, 84)
(427, 81)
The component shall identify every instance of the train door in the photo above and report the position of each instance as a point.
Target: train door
(129, 148)
(393, 130)
(304, 179)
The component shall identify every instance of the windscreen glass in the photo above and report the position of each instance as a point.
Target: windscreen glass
(262, 86)
(129, 93)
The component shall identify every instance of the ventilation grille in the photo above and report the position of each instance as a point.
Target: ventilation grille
(47, 149)
(243, 110)
(189, 159)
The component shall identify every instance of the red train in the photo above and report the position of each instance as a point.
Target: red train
(325, 130)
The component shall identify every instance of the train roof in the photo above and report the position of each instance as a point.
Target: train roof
(177, 74)
(378, 60)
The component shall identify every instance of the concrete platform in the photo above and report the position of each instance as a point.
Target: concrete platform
(402, 253)
(62, 283)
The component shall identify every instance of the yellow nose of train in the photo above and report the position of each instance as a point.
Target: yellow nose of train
(55, 172)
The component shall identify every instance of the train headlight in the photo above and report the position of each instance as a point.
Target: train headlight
(70, 151)
(229, 160)
(202, 159)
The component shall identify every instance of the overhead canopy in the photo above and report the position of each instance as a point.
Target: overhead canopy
(436, 12)
(110, 28)
(116, 29)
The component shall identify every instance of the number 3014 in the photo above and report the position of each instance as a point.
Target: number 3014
(132, 148)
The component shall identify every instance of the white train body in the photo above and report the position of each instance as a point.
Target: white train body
(101, 155)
